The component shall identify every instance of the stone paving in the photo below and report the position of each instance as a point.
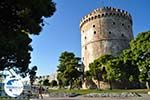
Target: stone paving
(143, 97)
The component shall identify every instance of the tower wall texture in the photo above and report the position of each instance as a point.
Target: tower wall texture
(104, 31)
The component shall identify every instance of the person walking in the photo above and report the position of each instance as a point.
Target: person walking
(40, 92)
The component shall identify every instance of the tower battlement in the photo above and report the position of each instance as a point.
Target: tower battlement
(105, 12)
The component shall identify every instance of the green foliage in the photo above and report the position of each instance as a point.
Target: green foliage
(32, 74)
(40, 82)
(77, 84)
(99, 66)
(54, 83)
(140, 48)
(99, 69)
(15, 52)
(132, 65)
(46, 82)
(113, 71)
(136, 59)
(68, 69)
(129, 67)
(88, 75)
(22, 16)
(18, 19)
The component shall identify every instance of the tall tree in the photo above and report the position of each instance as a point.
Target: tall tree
(46, 82)
(140, 48)
(132, 65)
(129, 67)
(69, 67)
(18, 19)
(32, 74)
(21, 16)
(98, 68)
(53, 83)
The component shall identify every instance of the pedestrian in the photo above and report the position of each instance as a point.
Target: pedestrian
(40, 92)
(29, 94)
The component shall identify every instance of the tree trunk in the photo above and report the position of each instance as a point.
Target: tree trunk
(99, 87)
(110, 82)
(70, 85)
(147, 84)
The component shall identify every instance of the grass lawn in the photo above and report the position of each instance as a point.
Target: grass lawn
(99, 91)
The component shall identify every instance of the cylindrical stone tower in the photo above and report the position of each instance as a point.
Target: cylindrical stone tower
(104, 31)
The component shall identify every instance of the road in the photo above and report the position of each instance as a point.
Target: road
(143, 97)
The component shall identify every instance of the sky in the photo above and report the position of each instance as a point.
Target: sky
(62, 33)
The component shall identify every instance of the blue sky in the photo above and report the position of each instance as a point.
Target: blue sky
(61, 31)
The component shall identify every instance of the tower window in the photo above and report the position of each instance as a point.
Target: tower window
(93, 25)
(85, 37)
(109, 32)
(83, 31)
(114, 23)
(94, 32)
(95, 17)
(83, 58)
(85, 47)
(128, 26)
(122, 35)
(122, 24)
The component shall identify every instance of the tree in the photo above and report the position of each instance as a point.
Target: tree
(53, 83)
(140, 48)
(68, 68)
(15, 53)
(60, 79)
(129, 67)
(117, 71)
(46, 82)
(107, 68)
(132, 65)
(40, 82)
(98, 68)
(32, 74)
(18, 19)
(88, 82)
(134, 62)
(22, 16)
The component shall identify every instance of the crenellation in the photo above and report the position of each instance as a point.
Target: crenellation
(105, 12)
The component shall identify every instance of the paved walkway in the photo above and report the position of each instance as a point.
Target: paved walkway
(144, 97)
